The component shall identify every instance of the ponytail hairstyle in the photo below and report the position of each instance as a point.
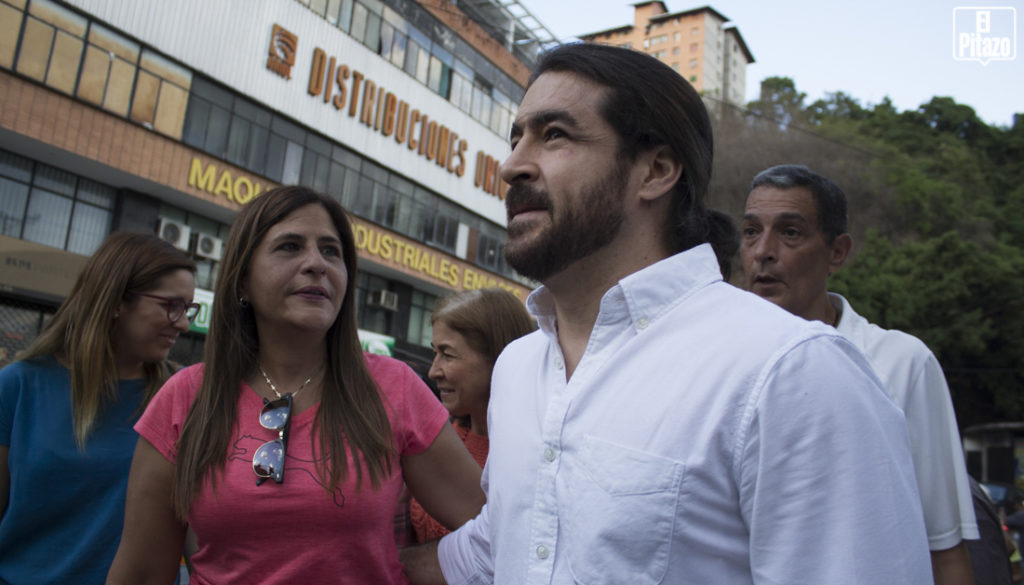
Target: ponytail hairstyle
(650, 105)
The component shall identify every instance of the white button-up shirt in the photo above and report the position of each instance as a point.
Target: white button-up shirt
(707, 437)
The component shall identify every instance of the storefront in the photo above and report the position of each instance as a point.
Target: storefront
(168, 117)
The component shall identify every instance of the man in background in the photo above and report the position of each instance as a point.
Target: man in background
(792, 238)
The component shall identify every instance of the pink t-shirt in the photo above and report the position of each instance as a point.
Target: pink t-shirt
(294, 532)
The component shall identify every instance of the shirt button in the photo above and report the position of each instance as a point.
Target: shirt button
(642, 323)
(549, 454)
(559, 364)
(543, 552)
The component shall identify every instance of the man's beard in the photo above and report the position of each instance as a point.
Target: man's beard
(578, 229)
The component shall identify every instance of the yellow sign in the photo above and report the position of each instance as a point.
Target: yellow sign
(240, 189)
(418, 260)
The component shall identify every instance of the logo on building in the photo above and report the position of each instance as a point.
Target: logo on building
(281, 55)
(984, 33)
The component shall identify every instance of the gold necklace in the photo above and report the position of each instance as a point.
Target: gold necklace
(294, 394)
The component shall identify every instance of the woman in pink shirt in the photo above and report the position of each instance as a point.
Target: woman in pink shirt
(286, 450)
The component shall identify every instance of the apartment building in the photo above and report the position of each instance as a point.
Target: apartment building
(698, 43)
(168, 117)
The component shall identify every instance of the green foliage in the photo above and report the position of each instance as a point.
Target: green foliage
(941, 201)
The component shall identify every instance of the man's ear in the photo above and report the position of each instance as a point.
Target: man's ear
(840, 251)
(661, 172)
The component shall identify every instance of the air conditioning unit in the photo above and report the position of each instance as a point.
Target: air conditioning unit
(383, 299)
(208, 246)
(174, 232)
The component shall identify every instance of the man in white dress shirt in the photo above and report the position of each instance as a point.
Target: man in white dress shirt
(794, 236)
(663, 426)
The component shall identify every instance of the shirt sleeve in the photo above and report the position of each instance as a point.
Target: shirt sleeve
(161, 423)
(938, 457)
(416, 415)
(465, 555)
(825, 475)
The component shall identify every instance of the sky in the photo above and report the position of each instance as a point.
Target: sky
(869, 49)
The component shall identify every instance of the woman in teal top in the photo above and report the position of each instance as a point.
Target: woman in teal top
(68, 405)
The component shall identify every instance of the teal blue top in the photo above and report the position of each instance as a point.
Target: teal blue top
(65, 508)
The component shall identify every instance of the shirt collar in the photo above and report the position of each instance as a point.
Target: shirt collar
(645, 295)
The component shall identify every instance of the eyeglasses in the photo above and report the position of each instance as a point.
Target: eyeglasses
(268, 461)
(176, 307)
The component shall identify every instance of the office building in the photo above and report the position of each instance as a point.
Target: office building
(168, 117)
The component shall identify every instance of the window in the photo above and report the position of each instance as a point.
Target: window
(693, 63)
(694, 47)
(420, 331)
(52, 45)
(49, 206)
(108, 71)
(10, 27)
(161, 93)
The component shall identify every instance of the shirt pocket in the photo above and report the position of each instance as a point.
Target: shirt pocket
(622, 514)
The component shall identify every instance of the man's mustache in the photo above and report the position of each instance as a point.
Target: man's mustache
(521, 196)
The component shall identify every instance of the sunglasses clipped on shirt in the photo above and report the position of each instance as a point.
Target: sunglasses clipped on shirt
(176, 307)
(268, 461)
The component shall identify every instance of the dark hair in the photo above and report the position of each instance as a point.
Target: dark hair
(80, 332)
(828, 197)
(649, 105)
(351, 408)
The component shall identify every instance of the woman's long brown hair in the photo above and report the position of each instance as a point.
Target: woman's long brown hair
(351, 408)
(79, 334)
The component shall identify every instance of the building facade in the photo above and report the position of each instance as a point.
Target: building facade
(697, 43)
(168, 117)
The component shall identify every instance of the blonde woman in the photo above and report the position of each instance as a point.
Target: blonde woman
(470, 329)
(286, 450)
(68, 405)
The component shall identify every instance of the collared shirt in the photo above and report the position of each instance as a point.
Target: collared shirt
(705, 437)
(913, 379)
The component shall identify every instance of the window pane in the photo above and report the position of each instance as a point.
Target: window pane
(412, 53)
(89, 226)
(196, 120)
(332, 11)
(398, 50)
(54, 179)
(318, 6)
(372, 39)
(275, 157)
(362, 203)
(323, 170)
(238, 141)
(345, 15)
(217, 131)
(257, 148)
(336, 181)
(95, 193)
(47, 219)
(423, 66)
(308, 168)
(358, 30)
(13, 197)
(387, 40)
(292, 164)
(15, 167)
